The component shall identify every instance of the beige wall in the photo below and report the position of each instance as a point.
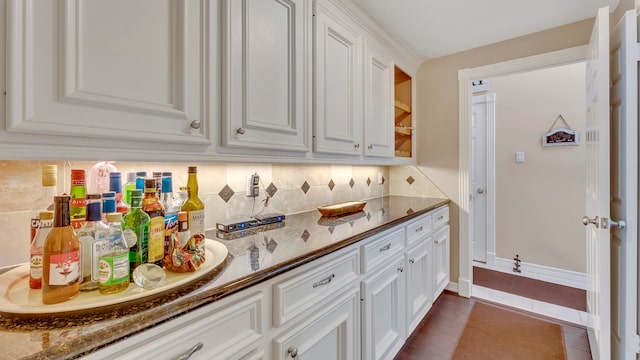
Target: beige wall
(539, 202)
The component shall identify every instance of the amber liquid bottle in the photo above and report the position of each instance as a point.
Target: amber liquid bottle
(195, 208)
(152, 206)
(61, 258)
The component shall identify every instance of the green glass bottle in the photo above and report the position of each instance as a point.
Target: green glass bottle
(114, 260)
(195, 208)
(135, 228)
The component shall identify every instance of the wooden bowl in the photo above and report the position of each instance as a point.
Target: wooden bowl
(342, 208)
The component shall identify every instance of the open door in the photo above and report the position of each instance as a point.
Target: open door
(597, 191)
(624, 187)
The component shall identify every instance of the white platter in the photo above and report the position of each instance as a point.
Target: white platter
(18, 298)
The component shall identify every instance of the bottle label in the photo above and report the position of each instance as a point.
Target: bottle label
(196, 226)
(98, 248)
(170, 230)
(130, 236)
(156, 239)
(64, 269)
(114, 269)
(36, 266)
(87, 260)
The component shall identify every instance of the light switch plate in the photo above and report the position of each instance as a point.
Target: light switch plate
(520, 156)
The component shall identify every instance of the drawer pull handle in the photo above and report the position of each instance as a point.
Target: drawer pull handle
(191, 351)
(440, 217)
(401, 269)
(419, 229)
(385, 248)
(325, 281)
(293, 352)
(412, 261)
(437, 241)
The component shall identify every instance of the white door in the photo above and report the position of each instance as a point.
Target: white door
(624, 186)
(479, 177)
(597, 189)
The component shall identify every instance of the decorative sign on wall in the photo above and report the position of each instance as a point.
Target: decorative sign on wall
(560, 136)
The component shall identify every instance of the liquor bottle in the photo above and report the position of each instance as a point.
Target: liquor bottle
(114, 259)
(78, 193)
(194, 206)
(115, 185)
(135, 228)
(157, 176)
(61, 263)
(171, 209)
(45, 222)
(45, 202)
(152, 206)
(108, 204)
(92, 235)
(140, 176)
(128, 186)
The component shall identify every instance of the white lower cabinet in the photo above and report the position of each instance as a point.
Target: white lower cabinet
(441, 260)
(419, 274)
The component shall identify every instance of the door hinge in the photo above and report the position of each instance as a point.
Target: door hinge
(637, 344)
(637, 54)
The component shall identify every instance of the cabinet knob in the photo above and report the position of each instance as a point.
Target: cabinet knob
(195, 124)
(401, 269)
(240, 131)
(370, 147)
(356, 146)
(191, 351)
(412, 261)
(293, 352)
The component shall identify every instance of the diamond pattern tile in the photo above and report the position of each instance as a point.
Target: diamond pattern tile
(305, 235)
(331, 229)
(383, 180)
(305, 187)
(226, 193)
(331, 185)
(271, 246)
(368, 181)
(410, 211)
(368, 216)
(351, 183)
(271, 190)
(411, 180)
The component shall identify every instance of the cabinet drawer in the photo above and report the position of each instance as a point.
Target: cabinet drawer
(311, 285)
(377, 252)
(418, 228)
(440, 217)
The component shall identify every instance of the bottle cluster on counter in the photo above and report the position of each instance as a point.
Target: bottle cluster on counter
(87, 242)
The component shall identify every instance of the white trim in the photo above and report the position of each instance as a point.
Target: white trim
(452, 286)
(465, 76)
(550, 274)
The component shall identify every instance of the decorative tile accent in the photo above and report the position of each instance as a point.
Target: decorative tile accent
(410, 211)
(383, 180)
(305, 235)
(368, 216)
(226, 193)
(368, 181)
(331, 228)
(271, 190)
(331, 185)
(271, 246)
(351, 183)
(351, 223)
(411, 180)
(254, 257)
(305, 187)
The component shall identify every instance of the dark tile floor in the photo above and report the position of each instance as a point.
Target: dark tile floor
(438, 333)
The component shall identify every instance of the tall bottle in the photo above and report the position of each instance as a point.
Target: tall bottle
(140, 177)
(45, 202)
(135, 228)
(171, 209)
(114, 259)
(152, 206)
(78, 193)
(61, 263)
(115, 185)
(157, 176)
(128, 186)
(92, 235)
(195, 208)
(45, 222)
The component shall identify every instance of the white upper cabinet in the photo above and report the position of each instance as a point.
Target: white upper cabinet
(378, 100)
(112, 70)
(266, 74)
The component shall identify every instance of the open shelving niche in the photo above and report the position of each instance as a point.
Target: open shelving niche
(403, 118)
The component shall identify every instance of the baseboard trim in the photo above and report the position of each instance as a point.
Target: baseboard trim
(464, 287)
(452, 286)
(540, 272)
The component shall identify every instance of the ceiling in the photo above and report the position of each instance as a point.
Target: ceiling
(435, 28)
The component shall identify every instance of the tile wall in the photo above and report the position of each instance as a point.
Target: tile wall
(292, 189)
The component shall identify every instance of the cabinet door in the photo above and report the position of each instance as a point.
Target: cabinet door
(338, 84)
(266, 74)
(419, 282)
(116, 70)
(333, 334)
(441, 260)
(378, 101)
(383, 312)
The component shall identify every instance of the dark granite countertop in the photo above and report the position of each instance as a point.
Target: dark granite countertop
(259, 255)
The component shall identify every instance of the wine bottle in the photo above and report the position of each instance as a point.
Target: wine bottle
(195, 208)
(92, 235)
(135, 228)
(114, 259)
(171, 209)
(45, 222)
(78, 192)
(45, 202)
(61, 263)
(152, 206)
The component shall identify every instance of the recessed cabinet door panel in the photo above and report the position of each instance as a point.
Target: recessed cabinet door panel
(419, 282)
(440, 261)
(109, 69)
(266, 67)
(378, 101)
(338, 84)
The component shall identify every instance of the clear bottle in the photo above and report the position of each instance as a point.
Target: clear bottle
(108, 204)
(45, 202)
(78, 193)
(195, 207)
(135, 227)
(128, 186)
(171, 209)
(45, 223)
(115, 185)
(92, 235)
(140, 177)
(61, 263)
(114, 259)
(152, 206)
(157, 176)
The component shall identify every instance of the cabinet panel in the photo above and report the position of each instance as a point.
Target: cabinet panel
(266, 74)
(418, 228)
(378, 252)
(441, 260)
(338, 85)
(440, 217)
(378, 101)
(419, 282)
(114, 70)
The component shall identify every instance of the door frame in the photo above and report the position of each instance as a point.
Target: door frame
(465, 77)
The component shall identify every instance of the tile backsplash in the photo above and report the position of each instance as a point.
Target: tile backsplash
(292, 189)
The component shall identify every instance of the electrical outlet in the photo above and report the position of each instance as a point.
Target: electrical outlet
(253, 185)
(380, 178)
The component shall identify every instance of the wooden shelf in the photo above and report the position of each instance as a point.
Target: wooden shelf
(403, 130)
(404, 107)
(400, 153)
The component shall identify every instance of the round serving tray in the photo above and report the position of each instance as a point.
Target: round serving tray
(17, 298)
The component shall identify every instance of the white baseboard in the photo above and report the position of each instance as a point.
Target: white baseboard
(539, 272)
(464, 287)
(451, 286)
